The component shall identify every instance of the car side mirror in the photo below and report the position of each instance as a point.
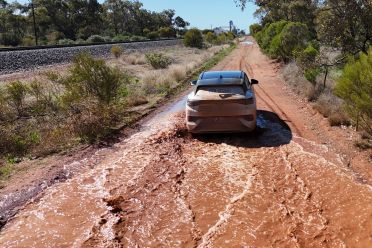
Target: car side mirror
(254, 81)
(194, 82)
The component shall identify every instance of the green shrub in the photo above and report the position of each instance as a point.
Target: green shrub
(17, 144)
(137, 38)
(42, 98)
(210, 37)
(283, 39)
(146, 31)
(117, 51)
(193, 38)
(230, 36)
(91, 77)
(164, 87)
(206, 31)
(3, 104)
(255, 28)
(97, 39)
(28, 41)
(54, 37)
(355, 88)
(16, 93)
(259, 36)
(275, 49)
(80, 41)
(36, 90)
(221, 38)
(34, 137)
(153, 35)
(158, 60)
(269, 32)
(311, 74)
(311, 52)
(166, 32)
(10, 39)
(66, 42)
(306, 58)
(294, 36)
(6, 171)
(93, 121)
(120, 37)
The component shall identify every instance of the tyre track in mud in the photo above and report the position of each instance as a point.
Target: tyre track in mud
(262, 95)
(166, 188)
(298, 125)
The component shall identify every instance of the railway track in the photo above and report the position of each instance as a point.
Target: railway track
(40, 47)
(28, 58)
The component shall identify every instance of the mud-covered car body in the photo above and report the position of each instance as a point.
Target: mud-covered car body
(222, 101)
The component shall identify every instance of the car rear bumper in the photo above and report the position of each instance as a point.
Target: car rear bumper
(221, 124)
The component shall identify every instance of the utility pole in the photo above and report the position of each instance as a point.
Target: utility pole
(34, 21)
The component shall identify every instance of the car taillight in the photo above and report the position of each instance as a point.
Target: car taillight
(192, 103)
(192, 118)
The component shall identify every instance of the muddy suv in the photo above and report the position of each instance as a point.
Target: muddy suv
(223, 101)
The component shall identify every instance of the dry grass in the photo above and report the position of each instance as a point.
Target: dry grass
(364, 144)
(330, 106)
(157, 82)
(185, 60)
(325, 102)
(216, 49)
(294, 77)
(365, 141)
(338, 119)
(135, 58)
(177, 72)
(136, 96)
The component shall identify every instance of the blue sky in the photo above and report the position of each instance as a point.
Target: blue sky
(204, 13)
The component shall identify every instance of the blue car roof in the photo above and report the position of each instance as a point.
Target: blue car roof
(221, 75)
(216, 78)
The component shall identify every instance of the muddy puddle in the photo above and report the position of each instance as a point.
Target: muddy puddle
(165, 187)
(247, 43)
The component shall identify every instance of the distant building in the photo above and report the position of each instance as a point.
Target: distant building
(230, 28)
(220, 30)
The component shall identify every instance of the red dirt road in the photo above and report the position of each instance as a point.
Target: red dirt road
(295, 182)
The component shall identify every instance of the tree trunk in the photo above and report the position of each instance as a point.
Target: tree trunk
(325, 78)
(34, 22)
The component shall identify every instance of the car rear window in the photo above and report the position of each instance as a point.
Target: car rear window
(225, 74)
(229, 89)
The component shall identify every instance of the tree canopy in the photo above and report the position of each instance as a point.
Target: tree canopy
(355, 88)
(344, 24)
(80, 19)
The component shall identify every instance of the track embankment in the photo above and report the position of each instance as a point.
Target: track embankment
(15, 61)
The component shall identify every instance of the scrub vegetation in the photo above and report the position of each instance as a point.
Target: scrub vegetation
(327, 56)
(93, 98)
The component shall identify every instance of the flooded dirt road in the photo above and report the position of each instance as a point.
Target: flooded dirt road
(295, 182)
